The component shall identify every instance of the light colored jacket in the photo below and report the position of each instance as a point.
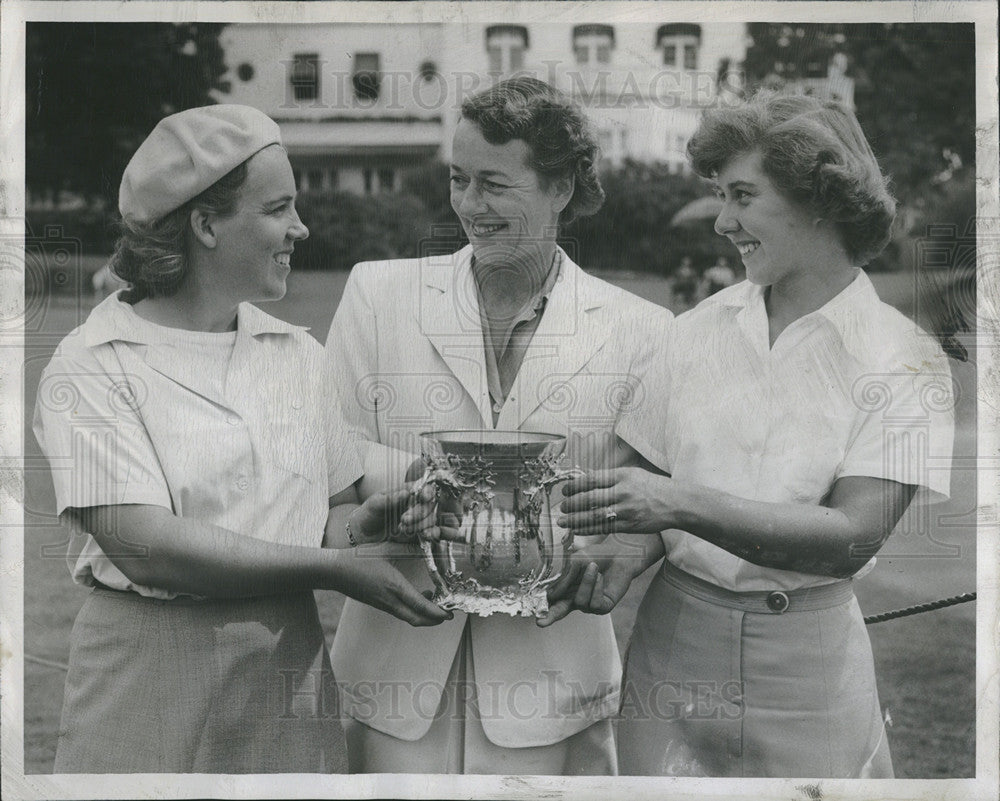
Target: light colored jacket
(406, 352)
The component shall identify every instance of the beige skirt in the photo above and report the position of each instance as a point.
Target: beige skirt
(721, 684)
(183, 686)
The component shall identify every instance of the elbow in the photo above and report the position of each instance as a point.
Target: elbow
(858, 552)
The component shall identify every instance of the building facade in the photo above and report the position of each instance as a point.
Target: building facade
(358, 103)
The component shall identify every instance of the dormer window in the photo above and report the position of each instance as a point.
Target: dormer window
(680, 43)
(592, 44)
(505, 46)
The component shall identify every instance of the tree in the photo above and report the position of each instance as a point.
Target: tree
(914, 88)
(632, 229)
(95, 90)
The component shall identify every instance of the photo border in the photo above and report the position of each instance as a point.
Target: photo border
(986, 784)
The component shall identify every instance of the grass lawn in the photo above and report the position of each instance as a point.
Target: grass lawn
(925, 664)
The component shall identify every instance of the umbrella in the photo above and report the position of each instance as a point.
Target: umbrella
(700, 210)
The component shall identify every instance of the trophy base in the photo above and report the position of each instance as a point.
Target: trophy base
(485, 601)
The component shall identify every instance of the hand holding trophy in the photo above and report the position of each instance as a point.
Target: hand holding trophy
(497, 547)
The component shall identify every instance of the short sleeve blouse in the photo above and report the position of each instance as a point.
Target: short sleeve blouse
(128, 412)
(853, 389)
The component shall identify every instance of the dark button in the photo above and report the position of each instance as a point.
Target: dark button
(777, 602)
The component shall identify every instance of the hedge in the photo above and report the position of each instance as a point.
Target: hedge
(631, 232)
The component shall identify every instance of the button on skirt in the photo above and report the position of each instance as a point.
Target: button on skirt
(712, 690)
(185, 686)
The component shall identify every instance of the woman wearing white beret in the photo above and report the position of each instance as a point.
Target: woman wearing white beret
(201, 464)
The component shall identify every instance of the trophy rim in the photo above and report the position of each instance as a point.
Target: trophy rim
(477, 436)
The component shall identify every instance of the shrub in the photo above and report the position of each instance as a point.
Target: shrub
(345, 228)
(632, 230)
(92, 227)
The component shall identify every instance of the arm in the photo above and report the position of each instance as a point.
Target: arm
(835, 539)
(401, 515)
(188, 556)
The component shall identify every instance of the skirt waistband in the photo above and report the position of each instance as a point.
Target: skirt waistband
(776, 602)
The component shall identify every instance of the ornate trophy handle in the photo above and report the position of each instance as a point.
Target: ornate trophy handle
(507, 555)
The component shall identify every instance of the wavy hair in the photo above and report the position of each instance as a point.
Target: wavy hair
(815, 152)
(152, 256)
(560, 141)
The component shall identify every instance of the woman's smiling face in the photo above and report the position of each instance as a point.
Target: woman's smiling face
(774, 234)
(255, 242)
(509, 217)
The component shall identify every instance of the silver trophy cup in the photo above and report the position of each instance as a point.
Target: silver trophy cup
(497, 484)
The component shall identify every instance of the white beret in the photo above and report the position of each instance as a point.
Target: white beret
(186, 153)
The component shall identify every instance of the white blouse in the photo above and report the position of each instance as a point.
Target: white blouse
(238, 430)
(852, 389)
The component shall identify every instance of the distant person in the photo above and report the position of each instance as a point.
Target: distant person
(716, 278)
(205, 459)
(685, 282)
(798, 416)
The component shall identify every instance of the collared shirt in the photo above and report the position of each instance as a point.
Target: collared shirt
(852, 389)
(235, 430)
(504, 358)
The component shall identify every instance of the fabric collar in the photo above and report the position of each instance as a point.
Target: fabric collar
(114, 320)
(852, 313)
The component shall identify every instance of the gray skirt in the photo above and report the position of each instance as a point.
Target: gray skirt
(184, 686)
(721, 684)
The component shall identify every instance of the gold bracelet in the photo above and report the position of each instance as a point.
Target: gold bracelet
(350, 534)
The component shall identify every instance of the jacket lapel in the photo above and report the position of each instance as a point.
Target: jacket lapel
(449, 318)
(568, 336)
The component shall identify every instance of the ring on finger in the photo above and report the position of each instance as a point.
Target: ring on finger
(611, 515)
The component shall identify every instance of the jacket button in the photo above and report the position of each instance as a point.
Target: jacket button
(777, 602)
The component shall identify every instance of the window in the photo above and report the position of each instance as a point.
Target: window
(386, 179)
(366, 174)
(428, 70)
(367, 79)
(305, 76)
(505, 46)
(680, 40)
(315, 179)
(690, 57)
(592, 44)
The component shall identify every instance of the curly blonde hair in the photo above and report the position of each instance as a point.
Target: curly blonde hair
(815, 152)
